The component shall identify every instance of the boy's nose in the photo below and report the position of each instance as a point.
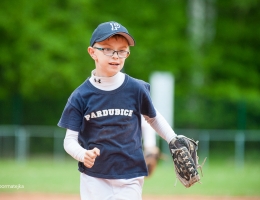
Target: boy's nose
(115, 54)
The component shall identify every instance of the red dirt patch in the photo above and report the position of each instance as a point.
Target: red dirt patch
(36, 196)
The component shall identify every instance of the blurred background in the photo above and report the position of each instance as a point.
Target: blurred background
(211, 47)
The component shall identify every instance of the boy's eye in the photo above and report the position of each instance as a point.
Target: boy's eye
(111, 50)
(108, 50)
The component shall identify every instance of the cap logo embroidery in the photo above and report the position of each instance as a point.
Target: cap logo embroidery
(114, 26)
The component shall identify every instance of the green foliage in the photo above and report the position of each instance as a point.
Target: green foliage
(235, 52)
(44, 49)
(43, 56)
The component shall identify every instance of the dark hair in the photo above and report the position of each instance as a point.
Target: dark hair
(117, 36)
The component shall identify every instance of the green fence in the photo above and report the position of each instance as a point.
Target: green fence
(15, 141)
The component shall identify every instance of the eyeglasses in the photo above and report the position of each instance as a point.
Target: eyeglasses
(110, 52)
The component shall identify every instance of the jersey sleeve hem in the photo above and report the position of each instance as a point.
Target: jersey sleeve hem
(67, 126)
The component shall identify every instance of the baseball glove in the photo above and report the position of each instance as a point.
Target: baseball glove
(184, 155)
(151, 156)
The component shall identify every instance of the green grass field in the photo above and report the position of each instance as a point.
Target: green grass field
(47, 176)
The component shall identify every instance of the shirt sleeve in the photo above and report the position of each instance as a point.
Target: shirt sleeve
(72, 147)
(147, 107)
(72, 115)
(161, 126)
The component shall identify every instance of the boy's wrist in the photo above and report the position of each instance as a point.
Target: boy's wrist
(82, 155)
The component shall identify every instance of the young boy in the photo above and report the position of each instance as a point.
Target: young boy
(103, 121)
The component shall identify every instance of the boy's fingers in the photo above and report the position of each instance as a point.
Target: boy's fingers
(88, 164)
(90, 157)
(96, 151)
(92, 153)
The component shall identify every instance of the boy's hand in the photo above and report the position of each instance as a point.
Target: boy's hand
(151, 156)
(90, 157)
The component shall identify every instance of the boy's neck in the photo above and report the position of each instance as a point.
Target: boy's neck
(107, 83)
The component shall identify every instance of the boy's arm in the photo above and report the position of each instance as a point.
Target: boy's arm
(161, 126)
(183, 151)
(73, 148)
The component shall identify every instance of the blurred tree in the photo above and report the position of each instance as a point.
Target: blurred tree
(233, 58)
(43, 56)
(43, 47)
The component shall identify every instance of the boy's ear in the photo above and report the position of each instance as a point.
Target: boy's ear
(91, 53)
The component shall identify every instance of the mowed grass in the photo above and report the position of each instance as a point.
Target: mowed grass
(221, 179)
(40, 175)
(45, 175)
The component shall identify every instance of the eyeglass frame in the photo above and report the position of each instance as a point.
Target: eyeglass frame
(102, 49)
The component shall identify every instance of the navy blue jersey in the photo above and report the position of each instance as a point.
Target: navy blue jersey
(110, 121)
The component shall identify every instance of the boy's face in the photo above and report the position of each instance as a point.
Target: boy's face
(107, 66)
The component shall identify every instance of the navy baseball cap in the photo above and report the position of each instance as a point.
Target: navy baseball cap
(108, 29)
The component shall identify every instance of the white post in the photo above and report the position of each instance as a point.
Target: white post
(21, 145)
(58, 145)
(240, 150)
(162, 93)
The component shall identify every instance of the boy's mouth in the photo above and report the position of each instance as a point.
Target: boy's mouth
(115, 64)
